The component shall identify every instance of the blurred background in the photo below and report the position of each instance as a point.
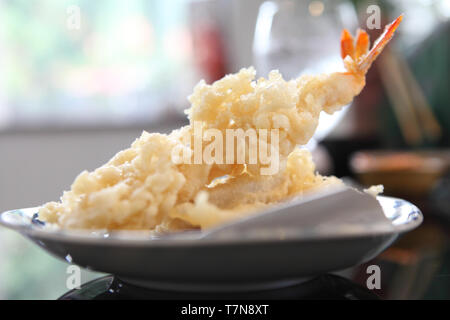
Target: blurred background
(80, 80)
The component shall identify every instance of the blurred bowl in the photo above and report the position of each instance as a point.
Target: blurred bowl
(406, 174)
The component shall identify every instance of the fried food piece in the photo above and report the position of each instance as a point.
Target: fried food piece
(143, 188)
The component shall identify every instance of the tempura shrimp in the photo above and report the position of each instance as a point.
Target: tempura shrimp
(143, 188)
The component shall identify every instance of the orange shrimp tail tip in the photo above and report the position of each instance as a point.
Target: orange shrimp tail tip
(366, 61)
(362, 44)
(352, 49)
(347, 45)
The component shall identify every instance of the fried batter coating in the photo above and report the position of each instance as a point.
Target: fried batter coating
(143, 188)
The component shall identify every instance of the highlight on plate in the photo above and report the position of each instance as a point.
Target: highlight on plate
(239, 154)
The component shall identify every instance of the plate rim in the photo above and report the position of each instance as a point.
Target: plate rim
(191, 238)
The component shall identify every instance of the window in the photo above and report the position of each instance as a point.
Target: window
(119, 64)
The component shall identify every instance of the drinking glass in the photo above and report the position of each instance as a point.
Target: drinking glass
(298, 37)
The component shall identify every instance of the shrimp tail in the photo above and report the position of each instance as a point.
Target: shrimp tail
(356, 54)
